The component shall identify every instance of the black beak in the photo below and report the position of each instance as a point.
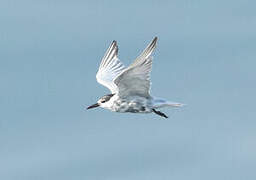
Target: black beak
(93, 106)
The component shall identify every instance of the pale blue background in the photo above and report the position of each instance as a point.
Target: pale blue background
(206, 58)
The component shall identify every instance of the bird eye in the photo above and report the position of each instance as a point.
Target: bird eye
(103, 101)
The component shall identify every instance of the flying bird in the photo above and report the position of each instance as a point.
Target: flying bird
(129, 86)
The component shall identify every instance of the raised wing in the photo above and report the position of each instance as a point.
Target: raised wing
(135, 80)
(110, 68)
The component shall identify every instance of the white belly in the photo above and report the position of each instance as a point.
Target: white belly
(132, 104)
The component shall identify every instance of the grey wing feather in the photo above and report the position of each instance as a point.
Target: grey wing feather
(110, 68)
(135, 80)
(146, 53)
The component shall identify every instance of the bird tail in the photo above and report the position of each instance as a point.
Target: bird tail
(159, 103)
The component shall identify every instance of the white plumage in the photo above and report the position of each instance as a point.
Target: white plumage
(130, 87)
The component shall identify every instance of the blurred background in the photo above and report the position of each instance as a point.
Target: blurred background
(49, 55)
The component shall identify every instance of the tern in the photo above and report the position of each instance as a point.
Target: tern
(130, 87)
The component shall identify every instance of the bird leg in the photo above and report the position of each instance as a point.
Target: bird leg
(159, 113)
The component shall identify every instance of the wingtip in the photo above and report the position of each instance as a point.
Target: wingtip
(114, 44)
(154, 41)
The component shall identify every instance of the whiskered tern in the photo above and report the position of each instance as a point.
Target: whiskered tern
(129, 86)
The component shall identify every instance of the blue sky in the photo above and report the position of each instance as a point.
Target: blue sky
(49, 55)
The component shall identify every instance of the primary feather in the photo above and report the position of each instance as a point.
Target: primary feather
(110, 68)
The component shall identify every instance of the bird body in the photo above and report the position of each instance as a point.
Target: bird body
(134, 104)
(129, 86)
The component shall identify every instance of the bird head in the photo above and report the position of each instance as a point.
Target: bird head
(101, 101)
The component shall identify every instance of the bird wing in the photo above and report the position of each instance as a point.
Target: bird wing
(135, 79)
(110, 68)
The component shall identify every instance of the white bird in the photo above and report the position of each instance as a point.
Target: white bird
(129, 86)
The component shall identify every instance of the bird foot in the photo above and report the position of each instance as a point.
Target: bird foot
(159, 113)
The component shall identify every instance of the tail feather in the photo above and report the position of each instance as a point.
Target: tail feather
(159, 103)
(175, 104)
